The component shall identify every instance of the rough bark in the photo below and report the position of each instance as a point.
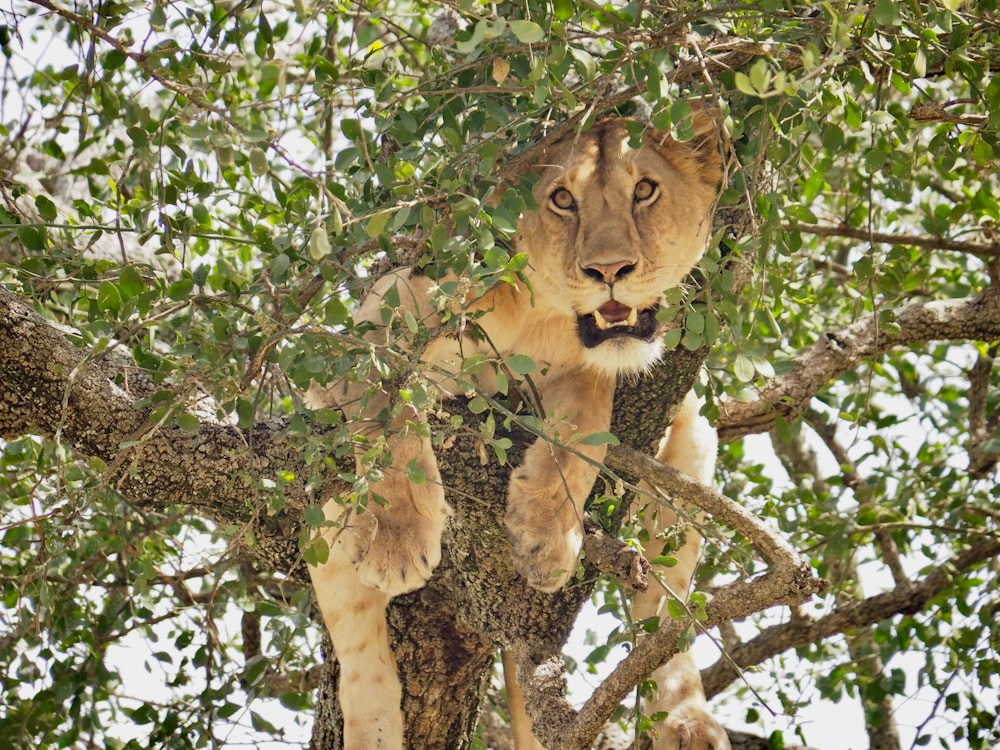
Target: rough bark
(445, 635)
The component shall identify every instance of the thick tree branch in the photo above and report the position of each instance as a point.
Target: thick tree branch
(802, 631)
(613, 558)
(51, 388)
(972, 318)
(907, 240)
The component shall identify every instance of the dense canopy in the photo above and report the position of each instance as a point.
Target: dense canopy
(195, 196)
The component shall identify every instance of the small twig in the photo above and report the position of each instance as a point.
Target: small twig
(937, 112)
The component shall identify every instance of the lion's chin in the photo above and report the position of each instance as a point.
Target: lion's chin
(621, 341)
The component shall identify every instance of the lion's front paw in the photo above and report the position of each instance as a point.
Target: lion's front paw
(689, 728)
(545, 533)
(406, 544)
(546, 561)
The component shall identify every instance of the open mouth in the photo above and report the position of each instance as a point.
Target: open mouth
(615, 319)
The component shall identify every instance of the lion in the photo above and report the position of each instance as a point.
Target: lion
(619, 220)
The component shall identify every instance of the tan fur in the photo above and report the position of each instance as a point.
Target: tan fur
(633, 223)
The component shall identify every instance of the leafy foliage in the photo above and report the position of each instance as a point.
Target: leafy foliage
(211, 188)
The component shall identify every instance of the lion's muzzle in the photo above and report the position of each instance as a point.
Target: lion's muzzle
(614, 319)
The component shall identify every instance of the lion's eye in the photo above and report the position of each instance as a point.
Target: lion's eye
(645, 190)
(563, 200)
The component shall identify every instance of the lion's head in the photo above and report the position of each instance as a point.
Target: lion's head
(615, 227)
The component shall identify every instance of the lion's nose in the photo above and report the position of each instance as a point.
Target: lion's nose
(609, 273)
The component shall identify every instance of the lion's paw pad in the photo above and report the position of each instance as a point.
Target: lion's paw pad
(404, 550)
(545, 558)
(680, 731)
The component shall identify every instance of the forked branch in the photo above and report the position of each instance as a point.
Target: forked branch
(909, 597)
(790, 580)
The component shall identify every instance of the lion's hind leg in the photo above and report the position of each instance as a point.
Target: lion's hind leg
(690, 446)
(370, 693)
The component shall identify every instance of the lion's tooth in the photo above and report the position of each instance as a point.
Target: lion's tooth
(602, 322)
(633, 317)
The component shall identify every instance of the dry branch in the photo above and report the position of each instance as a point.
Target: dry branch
(802, 631)
(789, 581)
(973, 318)
(991, 249)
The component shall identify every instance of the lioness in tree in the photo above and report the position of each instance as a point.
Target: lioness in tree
(616, 225)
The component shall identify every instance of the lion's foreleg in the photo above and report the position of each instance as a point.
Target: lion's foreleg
(397, 543)
(547, 491)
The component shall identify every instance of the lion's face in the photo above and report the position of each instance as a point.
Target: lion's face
(615, 227)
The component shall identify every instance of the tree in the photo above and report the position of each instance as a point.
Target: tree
(195, 198)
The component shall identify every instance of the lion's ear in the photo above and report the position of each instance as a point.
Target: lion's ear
(706, 144)
(707, 140)
(700, 156)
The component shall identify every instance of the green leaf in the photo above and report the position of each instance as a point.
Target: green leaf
(694, 322)
(258, 161)
(32, 237)
(319, 244)
(600, 438)
(676, 610)
(294, 701)
(478, 405)
(46, 208)
(259, 723)
(415, 472)
(478, 34)
(228, 710)
(255, 669)
(130, 282)
(188, 423)
(110, 101)
(886, 12)
(500, 448)
(314, 516)
(376, 224)
(742, 81)
(314, 552)
(268, 609)
(335, 312)
(351, 128)
(158, 17)
(109, 299)
(743, 368)
(180, 289)
(521, 364)
(279, 268)
(672, 338)
(527, 32)
(563, 9)
(114, 59)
